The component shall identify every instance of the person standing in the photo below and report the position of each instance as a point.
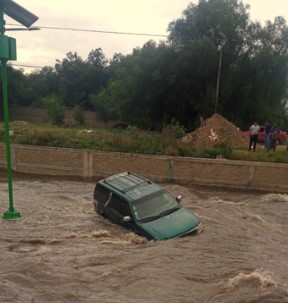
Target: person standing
(274, 136)
(267, 134)
(254, 130)
(273, 140)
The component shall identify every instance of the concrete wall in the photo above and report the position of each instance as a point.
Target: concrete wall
(40, 115)
(91, 164)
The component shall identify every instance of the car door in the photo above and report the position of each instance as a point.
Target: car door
(118, 209)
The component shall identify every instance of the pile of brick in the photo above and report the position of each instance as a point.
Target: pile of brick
(216, 130)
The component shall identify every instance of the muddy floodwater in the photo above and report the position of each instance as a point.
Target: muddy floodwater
(61, 251)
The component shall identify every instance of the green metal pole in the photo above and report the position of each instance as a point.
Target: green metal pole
(11, 213)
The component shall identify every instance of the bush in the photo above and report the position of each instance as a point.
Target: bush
(174, 129)
(221, 150)
(79, 114)
(56, 111)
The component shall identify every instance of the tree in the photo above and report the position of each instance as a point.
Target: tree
(70, 72)
(259, 84)
(19, 91)
(79, 79)
(43, 83)
(253, 71)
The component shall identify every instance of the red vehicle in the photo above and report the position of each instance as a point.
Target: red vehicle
(261, 136)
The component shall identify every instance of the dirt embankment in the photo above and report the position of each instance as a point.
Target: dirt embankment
(215, 130)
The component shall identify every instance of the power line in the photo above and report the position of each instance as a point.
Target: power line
(25, 65)
(91, 31)
(85, 30)
(109, 32)
(97, 31)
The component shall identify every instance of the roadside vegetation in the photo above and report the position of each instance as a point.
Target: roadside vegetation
(132, 140)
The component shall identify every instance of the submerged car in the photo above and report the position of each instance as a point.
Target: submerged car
(143, 206)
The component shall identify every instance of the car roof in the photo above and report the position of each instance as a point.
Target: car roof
(130, 185)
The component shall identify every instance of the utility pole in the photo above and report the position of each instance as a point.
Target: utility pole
(220, 48)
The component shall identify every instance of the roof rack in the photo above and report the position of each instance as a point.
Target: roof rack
(110, 182)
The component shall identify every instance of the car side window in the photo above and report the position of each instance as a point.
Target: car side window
(101, 194)
(120, 206)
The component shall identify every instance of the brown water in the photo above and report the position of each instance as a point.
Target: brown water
(61, 251)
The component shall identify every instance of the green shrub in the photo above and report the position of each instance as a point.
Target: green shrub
(56, 111)
(79, 114)
(133, 131)
(174, 129)
(221, 150)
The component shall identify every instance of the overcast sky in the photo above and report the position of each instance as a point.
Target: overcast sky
(44, 47)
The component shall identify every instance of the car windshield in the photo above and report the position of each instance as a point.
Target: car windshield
(154, 206)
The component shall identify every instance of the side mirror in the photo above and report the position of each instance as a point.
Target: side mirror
(178, 199)
(126, 219)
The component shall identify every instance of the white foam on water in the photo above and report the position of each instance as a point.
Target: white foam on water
(259, 277)
(221, 201)
(275, 198)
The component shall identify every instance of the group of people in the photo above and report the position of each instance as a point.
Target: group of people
(271, 136)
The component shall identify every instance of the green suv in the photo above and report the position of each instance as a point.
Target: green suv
(143, 207)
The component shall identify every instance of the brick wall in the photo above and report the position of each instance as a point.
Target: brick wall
(91, 164)
(40, 115)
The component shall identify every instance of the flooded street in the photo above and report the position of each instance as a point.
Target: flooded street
(61, 251)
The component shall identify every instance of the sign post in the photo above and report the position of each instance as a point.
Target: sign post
(8, 52)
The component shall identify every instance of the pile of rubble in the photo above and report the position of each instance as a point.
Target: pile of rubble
(215, 130)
